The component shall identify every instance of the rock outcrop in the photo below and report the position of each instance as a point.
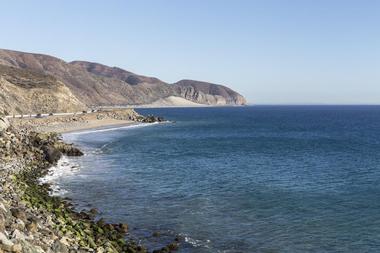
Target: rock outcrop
(208, 93)
(95, 84)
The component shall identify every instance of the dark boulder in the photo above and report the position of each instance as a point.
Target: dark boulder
(121, 228)
(73, 151)
(51, 154)
(68, 149)
(152, 119)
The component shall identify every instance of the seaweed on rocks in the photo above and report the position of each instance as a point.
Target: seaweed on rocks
(31, 219)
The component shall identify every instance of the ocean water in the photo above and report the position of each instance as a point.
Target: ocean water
(240, 179)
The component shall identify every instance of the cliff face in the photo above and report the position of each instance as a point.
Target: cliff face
(96, 84)
(208, 93)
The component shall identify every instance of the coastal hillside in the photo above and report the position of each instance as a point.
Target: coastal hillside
(25, 91)
(95, 84)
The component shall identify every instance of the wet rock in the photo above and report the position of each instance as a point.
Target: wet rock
(84, 216)
(162, 250)
(73, 151)
(156, 234)
(169, 248)
(123, 227)
(179, 238)
(101, 222)
(94, 211)
(151, 119)
(52, 155)
(173, 246)
(68, 149)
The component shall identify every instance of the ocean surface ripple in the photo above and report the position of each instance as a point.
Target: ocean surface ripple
(242, 179)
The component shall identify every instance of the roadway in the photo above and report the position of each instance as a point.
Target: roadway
(42, 115)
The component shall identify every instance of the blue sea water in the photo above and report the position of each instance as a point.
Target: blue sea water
(239, 179)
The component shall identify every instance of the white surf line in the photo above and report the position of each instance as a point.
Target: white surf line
(64, 167)
(111, 129)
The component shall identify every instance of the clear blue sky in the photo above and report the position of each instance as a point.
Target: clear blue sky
(273, 52)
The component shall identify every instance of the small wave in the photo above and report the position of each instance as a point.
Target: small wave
(105, 146)
(63, 168)
(195, 242)
(57, 191)
(113, 128)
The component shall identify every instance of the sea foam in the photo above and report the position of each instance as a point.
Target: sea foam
(112, 128)
(63, 168)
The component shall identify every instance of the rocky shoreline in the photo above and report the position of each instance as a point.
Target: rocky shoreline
(31, 220)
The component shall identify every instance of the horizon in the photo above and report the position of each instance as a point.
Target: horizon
(298, 53)
(248, 104)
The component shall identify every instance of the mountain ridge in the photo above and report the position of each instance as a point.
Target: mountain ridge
(96, 84)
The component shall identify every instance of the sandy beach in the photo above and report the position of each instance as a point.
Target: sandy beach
(72, 123)
(85, 125)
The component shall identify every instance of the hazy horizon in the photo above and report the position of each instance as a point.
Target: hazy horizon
(299, 52)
